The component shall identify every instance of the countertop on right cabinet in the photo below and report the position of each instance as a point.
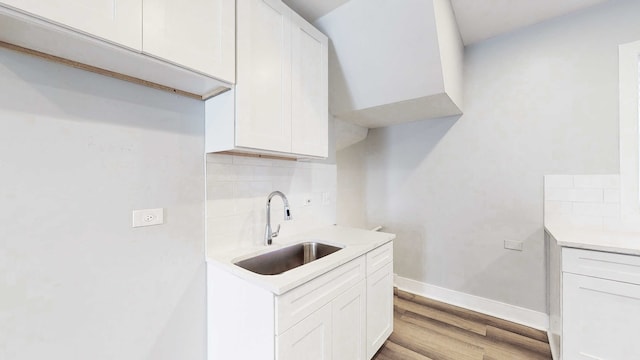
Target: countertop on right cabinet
(593, 239)
(594, 293)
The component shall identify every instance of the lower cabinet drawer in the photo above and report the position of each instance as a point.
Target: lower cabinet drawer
(619, 267)
(300, 302)
(379, 257)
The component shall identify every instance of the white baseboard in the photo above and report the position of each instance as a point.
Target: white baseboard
(531, 318)
(554, 347)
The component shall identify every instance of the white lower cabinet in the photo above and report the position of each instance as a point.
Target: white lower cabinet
(336, 331)
(601, 318)
(379, 308)
(309, 339)
(343, 314)
(349, 312)
(600, 305)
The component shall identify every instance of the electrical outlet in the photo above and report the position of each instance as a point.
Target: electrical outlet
(326, 198)
(513, 245)
(306, 201)
(148, 217)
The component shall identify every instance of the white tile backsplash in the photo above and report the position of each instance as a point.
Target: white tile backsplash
(587, 181)
(612, 196)
(558, 194)
(558, 208)
(583, 200)
(558, 181)
(610, 210)
(587, 195)
(611, 181)
(587, 209)
(237, 189)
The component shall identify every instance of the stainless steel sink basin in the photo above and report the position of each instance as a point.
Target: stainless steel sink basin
(290, 257)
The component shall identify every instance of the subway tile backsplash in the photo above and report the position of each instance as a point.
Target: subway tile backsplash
(583, 200)
(237, 189)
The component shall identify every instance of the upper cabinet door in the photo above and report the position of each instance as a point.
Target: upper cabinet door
(199, 34)
(309, 118)
(118, 21)
(263, 88)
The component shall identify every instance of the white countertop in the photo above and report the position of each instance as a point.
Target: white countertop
(356, 242)
(592, 239)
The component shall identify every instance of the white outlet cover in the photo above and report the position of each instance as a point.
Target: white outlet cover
(513, 245)
(148, 217)
(326, 199)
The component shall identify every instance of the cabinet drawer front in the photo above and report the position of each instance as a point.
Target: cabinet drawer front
(604, 265)
(309, 339)
(305, 299)
(379, 257)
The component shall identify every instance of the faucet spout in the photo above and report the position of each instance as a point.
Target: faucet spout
(269, 234)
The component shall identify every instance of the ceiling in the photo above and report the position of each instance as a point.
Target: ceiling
(477, 19)
(313, 9)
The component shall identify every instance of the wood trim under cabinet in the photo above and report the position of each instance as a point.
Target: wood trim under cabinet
(273, 157)
(112, 74)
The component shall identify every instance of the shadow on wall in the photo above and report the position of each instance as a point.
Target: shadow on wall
(42, 88)
(172, 342)
(340, 97)
(497, 281)
(367, 172)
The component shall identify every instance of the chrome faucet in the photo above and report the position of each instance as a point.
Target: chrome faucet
(268, 234)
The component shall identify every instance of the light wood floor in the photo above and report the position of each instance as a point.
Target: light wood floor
(427, 329)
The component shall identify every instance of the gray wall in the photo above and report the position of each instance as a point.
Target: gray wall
(543, 100)
(79, 152)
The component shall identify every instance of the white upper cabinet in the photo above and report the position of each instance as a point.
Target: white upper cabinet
(199, 35)
(263, 91)
(117, 21)
(280, 103)
(309, 111)
(188, 49)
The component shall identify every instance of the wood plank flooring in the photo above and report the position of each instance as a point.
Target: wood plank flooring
(426, 329)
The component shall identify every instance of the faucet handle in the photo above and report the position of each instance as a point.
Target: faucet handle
(275, 233)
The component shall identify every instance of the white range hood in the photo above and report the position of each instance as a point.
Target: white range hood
(393, 61)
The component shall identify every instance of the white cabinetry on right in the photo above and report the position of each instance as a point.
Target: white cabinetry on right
(280, 103)
(600, 305)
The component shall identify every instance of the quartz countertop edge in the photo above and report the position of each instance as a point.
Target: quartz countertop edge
(572, 236)
(356, 242)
